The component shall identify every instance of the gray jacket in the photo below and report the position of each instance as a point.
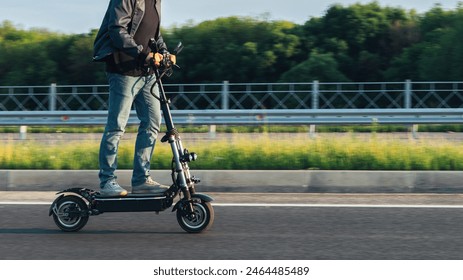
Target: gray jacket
(120, 24)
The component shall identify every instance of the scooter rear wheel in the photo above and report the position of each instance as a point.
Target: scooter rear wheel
(68, 215)
(202, 220)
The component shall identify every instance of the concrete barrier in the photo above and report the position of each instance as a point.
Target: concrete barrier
(297, 181)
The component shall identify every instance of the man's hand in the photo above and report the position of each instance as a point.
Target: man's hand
(153, 57)
(173, 59)
(168, 59)
(157, 59)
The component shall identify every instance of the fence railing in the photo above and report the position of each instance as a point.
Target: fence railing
(249, 117)
(249, 103)
(213, 96)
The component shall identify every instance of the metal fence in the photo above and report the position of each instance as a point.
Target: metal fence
(431, 102)
(214, 96)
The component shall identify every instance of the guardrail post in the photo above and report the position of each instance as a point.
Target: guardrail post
(52, 98)
(412, 128)
(408, 94)
(315, 104)
(315, 94)
(212, 131)
(225, 93)
(225, 105)
(23, 132)
(414, 131)
(312, 131)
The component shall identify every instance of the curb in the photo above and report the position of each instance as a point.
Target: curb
(246, 181)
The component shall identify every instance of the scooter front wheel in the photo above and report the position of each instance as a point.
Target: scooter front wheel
(68, 213)
(201, 220)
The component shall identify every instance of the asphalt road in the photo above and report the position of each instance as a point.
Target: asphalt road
(247, 226)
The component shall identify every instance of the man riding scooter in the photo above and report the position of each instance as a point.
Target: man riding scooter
(123, 42)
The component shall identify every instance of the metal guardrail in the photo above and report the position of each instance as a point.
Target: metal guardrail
(249, 117)
(314, 95)
(251, 103)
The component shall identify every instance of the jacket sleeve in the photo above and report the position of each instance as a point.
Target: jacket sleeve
(160, 44)
(120, 18)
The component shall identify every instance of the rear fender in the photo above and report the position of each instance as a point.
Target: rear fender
(85, 194)
(53, 205)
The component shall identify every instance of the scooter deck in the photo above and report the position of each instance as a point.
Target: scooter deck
(132, 203)
(133, 195)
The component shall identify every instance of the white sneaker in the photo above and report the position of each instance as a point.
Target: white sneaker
(149, 186)
(112, 188)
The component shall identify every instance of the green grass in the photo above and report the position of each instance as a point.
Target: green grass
(293, 151)
(248, 129)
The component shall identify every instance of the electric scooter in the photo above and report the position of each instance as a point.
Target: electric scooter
(73, 207)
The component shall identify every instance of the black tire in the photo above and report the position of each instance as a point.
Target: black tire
(68, 216)
(203, 220)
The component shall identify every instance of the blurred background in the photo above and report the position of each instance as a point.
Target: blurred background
(249, 55)
(301, 41)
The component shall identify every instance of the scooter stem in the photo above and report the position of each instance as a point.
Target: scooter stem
(173, 139)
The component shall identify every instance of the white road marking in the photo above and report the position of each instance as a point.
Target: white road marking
(308, 205)
(24, 203)
(337, 205)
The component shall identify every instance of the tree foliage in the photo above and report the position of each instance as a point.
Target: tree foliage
(359, 42)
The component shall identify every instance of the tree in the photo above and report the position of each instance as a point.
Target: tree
(359, 42)
(320, 67)
(438, 54)
(24, 58)
(405, 65)
(442, 57)
(81, 69)
(361, 37)
(236, 49)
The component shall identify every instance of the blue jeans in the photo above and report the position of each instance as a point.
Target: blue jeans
(125, 91)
